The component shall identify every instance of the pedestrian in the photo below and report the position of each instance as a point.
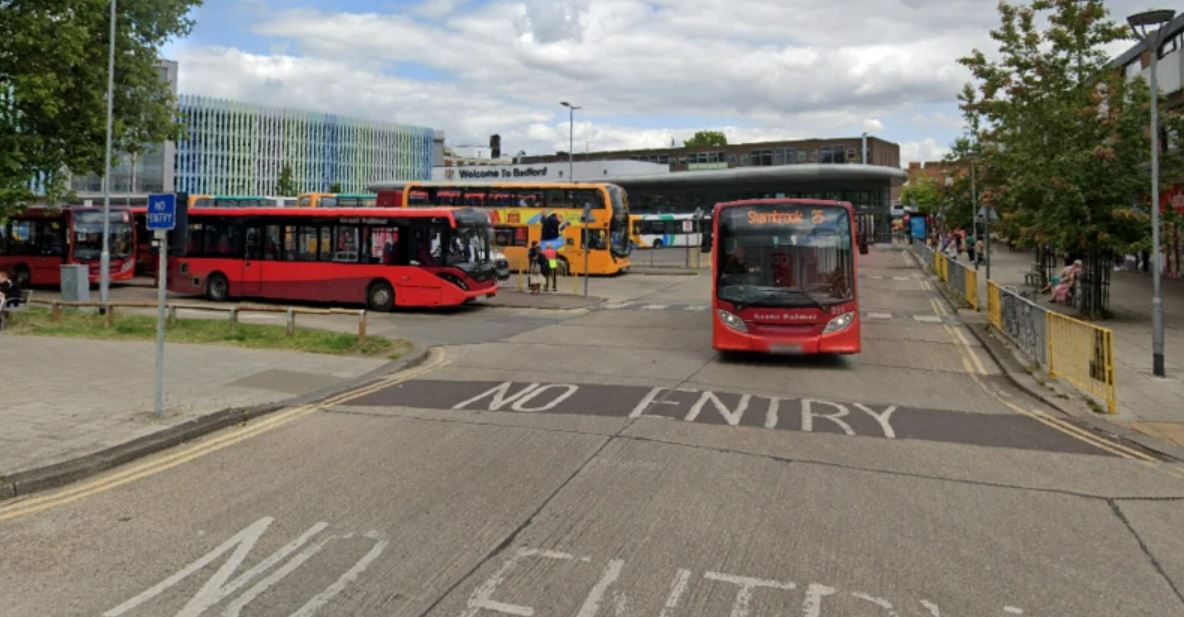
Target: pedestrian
(551, 257)
(970, 249)
(535, 280)
(980, 249)
(8, 291)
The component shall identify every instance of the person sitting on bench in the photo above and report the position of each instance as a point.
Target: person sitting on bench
(10, 295)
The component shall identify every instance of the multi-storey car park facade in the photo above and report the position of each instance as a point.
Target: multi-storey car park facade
(235, 148)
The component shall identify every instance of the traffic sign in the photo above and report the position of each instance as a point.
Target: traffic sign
(688, 226)
(162, 211)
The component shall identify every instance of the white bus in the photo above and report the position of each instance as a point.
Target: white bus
(662, 230)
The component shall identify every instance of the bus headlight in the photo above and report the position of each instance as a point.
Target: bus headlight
(842, 322)
(732, 320)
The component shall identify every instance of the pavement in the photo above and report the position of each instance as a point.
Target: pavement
(1149, 404)
(101, 395)
(606, 462)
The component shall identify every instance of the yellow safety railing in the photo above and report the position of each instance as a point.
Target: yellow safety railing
(941, 267)
(971, 291)
(1083, 354)
(994, 305)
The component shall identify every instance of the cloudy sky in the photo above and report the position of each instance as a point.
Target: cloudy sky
(644, 71)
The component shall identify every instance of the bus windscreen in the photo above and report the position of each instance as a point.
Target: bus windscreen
(785, 256)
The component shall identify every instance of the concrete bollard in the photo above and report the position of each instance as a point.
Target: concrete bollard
(110, 316)
(55, 313)
(362, 326)
(291, 322)
(172, 314)
(233, 317)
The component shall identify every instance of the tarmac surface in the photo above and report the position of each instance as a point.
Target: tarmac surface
(605, 461)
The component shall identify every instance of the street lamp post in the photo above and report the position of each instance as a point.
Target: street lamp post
(1148, 26)
(105, 254)
(571, 116)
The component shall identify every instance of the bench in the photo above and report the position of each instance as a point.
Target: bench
(1032, 276)
(9, 306)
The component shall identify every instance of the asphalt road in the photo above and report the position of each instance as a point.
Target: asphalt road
(607, 462)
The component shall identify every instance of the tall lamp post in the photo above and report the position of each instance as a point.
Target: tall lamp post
(105, 254)
(1148, 26)
(571, 131)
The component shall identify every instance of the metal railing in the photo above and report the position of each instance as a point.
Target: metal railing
(1024, 322)
(232, 311)
(1083, 354)
(1079, 352)
(994, 305)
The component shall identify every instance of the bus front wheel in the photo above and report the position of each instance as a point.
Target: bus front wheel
(217, 288)
(380, 297)
(657, 244)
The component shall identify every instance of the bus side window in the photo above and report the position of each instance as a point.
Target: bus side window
(345, 244)
(272, 241)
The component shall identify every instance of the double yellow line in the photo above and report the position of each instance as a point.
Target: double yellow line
(974, 366)
(183, 455)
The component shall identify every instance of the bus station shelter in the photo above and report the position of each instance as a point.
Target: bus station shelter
(867, 187)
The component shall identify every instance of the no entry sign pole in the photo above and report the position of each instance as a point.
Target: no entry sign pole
(161, 217)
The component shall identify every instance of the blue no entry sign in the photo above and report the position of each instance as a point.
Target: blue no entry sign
(162, 211)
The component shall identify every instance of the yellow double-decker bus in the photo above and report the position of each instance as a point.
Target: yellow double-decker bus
(549, 213)
(336, 200)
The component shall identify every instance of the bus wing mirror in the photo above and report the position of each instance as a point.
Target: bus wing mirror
(705, 245)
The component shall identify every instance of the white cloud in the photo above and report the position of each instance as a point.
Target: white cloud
(924, 150)
(791, 68)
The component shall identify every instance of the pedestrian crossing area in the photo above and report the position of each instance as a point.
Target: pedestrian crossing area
(868, 316)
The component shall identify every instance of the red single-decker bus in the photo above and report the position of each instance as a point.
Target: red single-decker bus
(380, 257)
(38, 241)
(784, 277)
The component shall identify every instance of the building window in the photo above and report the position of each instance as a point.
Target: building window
(761, 158)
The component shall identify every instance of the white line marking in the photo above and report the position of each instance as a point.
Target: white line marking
(808, 415)
(747, 584)
(932, 608)
(677, 588)
(880, 602)
(812, 605)
(321, 599)
(646, 401)
(696, 307)
(881, 417)
(879, 315)
(570, 389)
(1013, 610)
(482, 596)
(901, 278)
(617, 305)
(731, 416)
(499, 394)
(927, 318)
(592, 604)
(654, 307)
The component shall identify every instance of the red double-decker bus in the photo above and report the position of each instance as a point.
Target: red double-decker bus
(785, 277)
(380, 257)
(38, 241)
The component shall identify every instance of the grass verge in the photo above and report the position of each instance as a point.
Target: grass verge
(75, 324)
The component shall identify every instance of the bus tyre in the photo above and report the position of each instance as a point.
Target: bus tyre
(657, 244)
(217, 288)
(380, 296)
(21, 277)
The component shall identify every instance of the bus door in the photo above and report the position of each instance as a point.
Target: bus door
(252, 269)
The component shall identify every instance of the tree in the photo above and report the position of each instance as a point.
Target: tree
(286, 187)
(706, 138)
(924, 193)
(1063, 138)
(335, 187)
(53, 83)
